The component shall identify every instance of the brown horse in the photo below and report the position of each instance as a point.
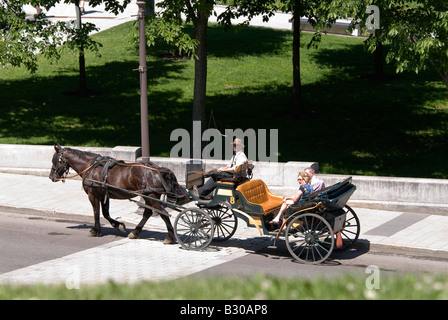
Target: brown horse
(148, 179)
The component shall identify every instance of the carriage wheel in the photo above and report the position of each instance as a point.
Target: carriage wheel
(309, 238)
(225, 221)
(193, 229)
(351, 230)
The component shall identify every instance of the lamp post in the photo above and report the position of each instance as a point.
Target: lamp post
(143, 81)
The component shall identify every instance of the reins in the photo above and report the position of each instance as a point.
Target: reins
(74, 176)
(96, 163)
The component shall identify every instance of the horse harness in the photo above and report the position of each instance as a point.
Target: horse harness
(108, 163)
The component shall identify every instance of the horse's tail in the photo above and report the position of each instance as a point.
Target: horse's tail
(174, 191)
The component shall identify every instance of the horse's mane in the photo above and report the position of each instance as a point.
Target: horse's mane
(81, 154)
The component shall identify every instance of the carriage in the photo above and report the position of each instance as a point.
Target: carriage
(312, 228)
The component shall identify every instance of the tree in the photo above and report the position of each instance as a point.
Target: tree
(199, 16)
(78, 39)
(320, 13)
(22, 37)
(417, 33)
(168, 24)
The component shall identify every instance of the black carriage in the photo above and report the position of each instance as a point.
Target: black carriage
(312, 229)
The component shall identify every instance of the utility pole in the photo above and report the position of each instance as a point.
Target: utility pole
(143, 81)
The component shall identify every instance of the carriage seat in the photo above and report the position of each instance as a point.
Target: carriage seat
(243, 172)
(255, 197)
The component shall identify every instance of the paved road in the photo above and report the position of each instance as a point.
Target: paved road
(277, 261)
(61, 249)
(30, 239)
(47, 246)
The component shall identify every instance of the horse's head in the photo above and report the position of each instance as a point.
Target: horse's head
(60, 167)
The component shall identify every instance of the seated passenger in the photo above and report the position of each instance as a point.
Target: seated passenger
(316, 182)
(305, 189)
(224, 172)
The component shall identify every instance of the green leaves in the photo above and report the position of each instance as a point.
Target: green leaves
(23, 37)
(416, 31)
(170, 31)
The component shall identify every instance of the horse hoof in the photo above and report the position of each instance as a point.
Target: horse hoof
(122, 227)
(169, 241)
(94, 233)
(133, 235)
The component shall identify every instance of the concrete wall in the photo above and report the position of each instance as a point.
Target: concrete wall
(390, 193)
(36, 159)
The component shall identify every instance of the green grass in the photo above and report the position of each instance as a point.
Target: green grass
(259, 287)
(353, 125)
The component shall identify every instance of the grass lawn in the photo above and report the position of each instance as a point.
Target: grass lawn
(354, 125)
(258, 287)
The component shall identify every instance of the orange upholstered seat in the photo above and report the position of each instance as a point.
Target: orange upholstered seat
(255, 197)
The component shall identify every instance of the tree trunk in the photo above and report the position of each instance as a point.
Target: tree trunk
(297, 83)
(200, 68)
(379, 60)
(443, 74)
(82, 90)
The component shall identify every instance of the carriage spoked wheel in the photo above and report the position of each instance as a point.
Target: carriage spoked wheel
(351, 230)
(225, 221)
(193, 229)
(309, 238)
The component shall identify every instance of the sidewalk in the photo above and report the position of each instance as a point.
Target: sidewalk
(383, 231)
(97, 15)
(104, 20)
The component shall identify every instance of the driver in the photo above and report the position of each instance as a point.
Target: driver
(239, 157)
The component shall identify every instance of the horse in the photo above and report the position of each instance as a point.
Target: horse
(145, 178)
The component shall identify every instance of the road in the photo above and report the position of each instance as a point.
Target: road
(277, 261)
(27, 239)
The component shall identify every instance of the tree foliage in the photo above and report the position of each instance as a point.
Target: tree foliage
(170, 27)
(22, 37)
(416, 31)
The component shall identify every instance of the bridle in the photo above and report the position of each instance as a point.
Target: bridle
(56, 166)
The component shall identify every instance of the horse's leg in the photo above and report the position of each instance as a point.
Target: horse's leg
(114, 223)
(96, 230)
(169, 239)
(136, 232)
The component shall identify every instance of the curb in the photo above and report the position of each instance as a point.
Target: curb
(413, 252)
